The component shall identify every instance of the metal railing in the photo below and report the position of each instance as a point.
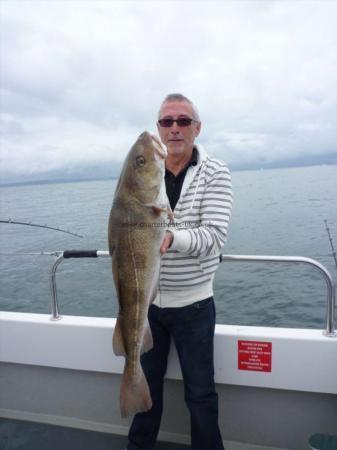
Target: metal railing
(330, 314)
(329, 330)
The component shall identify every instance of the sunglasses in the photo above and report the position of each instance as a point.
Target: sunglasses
(181, 122)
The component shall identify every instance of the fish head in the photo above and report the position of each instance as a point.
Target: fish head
(144, 168)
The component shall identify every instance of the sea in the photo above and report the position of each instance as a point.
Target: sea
(275, 212)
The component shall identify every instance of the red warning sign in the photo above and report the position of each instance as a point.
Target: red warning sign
(254, 355)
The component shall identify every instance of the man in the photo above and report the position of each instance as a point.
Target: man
(199, 191)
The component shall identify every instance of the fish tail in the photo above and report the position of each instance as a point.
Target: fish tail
(135, 394)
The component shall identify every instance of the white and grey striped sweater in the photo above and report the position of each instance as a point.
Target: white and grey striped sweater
(201, 219)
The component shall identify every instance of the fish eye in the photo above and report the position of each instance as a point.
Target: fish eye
(140, 161)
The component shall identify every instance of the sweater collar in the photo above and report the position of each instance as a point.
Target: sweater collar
(202, 154)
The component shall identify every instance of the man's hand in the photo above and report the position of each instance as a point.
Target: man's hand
(167, 242)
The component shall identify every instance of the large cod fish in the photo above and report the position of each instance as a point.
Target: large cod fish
(136, 231)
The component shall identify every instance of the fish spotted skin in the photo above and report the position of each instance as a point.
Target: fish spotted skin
(136, 231)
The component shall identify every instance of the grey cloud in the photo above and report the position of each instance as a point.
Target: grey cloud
(80, 80)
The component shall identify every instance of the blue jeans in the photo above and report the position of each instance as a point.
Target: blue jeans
(192, 329)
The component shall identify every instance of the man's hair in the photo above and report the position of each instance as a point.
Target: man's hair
(176, 97)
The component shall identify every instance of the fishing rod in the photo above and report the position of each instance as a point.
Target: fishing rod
(56, 253)
(30, 224)
(331, 241)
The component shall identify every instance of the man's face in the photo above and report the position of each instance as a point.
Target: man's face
(179, 140)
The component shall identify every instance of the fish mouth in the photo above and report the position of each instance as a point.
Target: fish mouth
(160, 148)
(147, 139)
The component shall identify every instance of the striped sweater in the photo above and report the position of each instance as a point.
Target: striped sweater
(201, 218)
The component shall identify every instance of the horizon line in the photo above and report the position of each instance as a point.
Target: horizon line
(60, 180)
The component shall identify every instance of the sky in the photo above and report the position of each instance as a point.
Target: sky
(80, 80)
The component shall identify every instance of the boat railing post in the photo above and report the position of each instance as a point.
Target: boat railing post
(330, 316)
(52, 280)
(60, 256)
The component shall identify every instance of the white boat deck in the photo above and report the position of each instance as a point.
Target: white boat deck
(276, 387)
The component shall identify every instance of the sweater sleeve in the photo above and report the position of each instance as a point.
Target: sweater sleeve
(215, 210)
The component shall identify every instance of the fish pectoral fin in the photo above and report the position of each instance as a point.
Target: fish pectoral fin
(156, 209)
(117, 340)
(147, 340)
